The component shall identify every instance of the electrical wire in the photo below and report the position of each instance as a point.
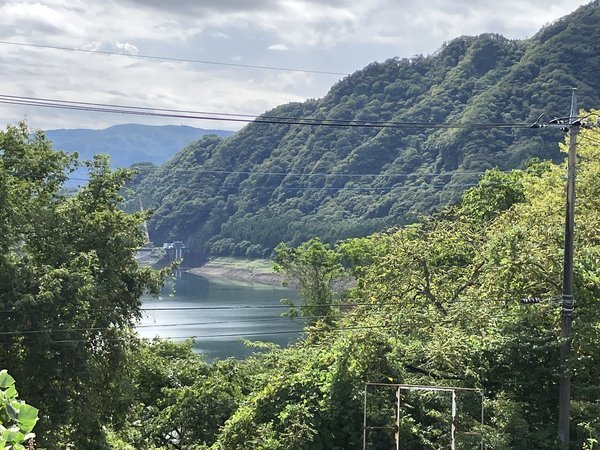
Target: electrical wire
(212, 308)
(260, 307)
(172, 59)
(330, 174)
(75, 104)
(128, 110)
(188, 324)
(239, 335)
(309, 330)
(341, 188)
(183, 111)
(590, 139)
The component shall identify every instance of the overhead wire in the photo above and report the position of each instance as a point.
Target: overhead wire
(229, 322)
(172, 59)
(76, 104)
(341, 188)
(187, 324)
(238, 335)
(129, 110)
(260, 307)
(590, 139)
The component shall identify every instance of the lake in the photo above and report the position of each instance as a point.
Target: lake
(220, 313)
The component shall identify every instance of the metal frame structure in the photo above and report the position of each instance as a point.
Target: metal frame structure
(412, 387)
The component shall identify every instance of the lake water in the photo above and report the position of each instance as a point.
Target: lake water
(219, 313)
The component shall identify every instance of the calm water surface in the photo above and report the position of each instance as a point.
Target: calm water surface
(229, 311)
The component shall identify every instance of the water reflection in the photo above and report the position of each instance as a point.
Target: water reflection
(220, 313)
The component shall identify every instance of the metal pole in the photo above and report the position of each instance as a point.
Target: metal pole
(453, 426)
(398, 394)
(482, 416)
(365, 420)
(568, 302)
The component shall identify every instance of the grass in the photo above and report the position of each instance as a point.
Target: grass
(256, 265)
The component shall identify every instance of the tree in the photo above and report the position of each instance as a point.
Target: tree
(312, 268)
(69, 288)
(178, 399)
(439, 303)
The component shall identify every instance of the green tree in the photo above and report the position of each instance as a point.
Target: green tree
(178, 399)
(438, 303)
(69, 288)
(312, 268)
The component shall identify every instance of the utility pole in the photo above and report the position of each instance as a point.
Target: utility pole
(568, 303)
(570, 124)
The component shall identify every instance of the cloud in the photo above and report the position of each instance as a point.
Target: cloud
(219, 35)
(126, 47)
(334, 35)
(27, 17)
(281, 47)
(187, 7)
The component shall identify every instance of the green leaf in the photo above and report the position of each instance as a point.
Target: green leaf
(13, 435)
(13, 413)
(11, 393)
(28, 416)
(6, 380)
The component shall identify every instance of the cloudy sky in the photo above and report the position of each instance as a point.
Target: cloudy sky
(322, 35)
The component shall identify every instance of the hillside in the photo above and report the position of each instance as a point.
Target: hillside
(129, 143)
(278, 182)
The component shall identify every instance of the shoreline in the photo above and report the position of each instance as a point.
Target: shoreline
(243, 274)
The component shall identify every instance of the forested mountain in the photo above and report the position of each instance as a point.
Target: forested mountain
(129, 143)
(287, 182)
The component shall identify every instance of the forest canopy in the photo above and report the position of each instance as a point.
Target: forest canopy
(273, 182)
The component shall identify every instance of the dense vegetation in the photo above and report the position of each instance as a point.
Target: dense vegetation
(272, 182)
(436, 302)
(69, 288)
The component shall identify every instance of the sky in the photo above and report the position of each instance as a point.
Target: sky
(318, 35)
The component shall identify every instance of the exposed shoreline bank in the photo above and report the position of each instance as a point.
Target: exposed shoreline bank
(246, 271)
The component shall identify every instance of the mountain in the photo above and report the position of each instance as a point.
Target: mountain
(273, 182)
(129, 143)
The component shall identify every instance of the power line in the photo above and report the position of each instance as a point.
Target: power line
(187, 324)
(76, 104)
(341, 188)
(212, 308)
(139, 111)
(329, 174)
(291, 174)
(259, 307)
(255, 334)
(229, 322)
(590, 139)
(173, 59)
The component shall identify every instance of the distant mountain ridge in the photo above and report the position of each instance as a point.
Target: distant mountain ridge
(279, 182)
(129, 143)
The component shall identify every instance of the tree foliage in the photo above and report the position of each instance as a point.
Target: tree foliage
(434, 303)
(268, 183)
(311, 268)
(69, 288)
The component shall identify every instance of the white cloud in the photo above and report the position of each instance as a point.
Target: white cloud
(333, 35)
(281, 47)
(28, 17)
(126, 47)
(219, 35)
